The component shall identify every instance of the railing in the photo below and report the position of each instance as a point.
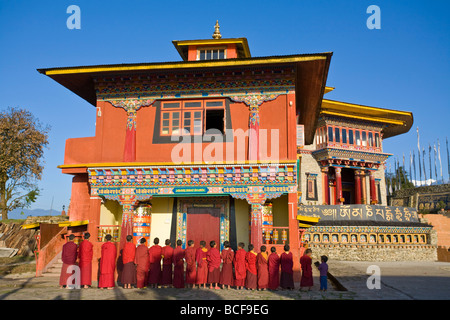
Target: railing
(275, 235)
(103, 230)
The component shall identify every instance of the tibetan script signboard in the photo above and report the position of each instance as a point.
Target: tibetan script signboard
(434, 202)
(359, 212)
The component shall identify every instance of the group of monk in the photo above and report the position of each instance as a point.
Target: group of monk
(202, 267)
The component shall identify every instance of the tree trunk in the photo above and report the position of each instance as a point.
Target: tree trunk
(3, 209)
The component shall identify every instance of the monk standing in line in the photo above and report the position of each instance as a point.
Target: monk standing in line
(239, 266)
(142, 264)
(167, 255)
(107, 264)
(191, 270)
(213, 259)
(251, 280)
(85, 254)
(129, 269)
(202, 265)
(154, 256)
(287, 272)
(307, 277)
(69, 258)
(178, 266)
(263, 269)
(274, 269)
(226, 274)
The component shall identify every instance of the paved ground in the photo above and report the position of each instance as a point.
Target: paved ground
(399, 280)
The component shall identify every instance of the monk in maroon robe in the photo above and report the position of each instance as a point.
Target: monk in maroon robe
(202, 265)
(178, 266)
(154, 256)
(107, 264)
(251, 279)
(85, 254)
(129, 269)
(167, 255)
(239, 266)
(214, 260)
(191, 268)
(274, 269)
(226, 274)
(306, 264)
(69, 258)
(142, 264)
(263, 269)
(287, 271)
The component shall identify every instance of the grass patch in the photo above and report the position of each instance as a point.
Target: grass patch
(17, 264)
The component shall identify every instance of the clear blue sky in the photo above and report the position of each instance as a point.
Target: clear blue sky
(404, 65)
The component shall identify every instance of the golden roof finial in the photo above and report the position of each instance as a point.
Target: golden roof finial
(216, 34)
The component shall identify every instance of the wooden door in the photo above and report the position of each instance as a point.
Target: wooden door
(203, 223)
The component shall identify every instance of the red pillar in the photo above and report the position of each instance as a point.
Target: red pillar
(358, 187)
(373, 189)
(338, 185)
(256, 234)
(294, 241)
(326, 187)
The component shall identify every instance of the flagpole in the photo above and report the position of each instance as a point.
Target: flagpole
(431, 169)
(424, 171)
(414, 165)
(440, 161)
(435, 166)
(419, 162)
(448, 160)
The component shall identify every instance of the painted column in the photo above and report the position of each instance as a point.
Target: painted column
(253, 101)
(373, 188)
(338, 185)
(128, 203)
(294, 240)
(131, 106)
(358, 199)
(326, 187)
(256, 233)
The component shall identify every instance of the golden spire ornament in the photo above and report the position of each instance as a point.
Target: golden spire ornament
(216, 34)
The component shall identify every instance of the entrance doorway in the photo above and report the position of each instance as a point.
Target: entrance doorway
(203, 223)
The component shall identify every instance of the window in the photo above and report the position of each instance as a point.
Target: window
(364, 138)
(358, 137)
(337, 137)
(350, 136)
(194, 117)
(344, 136)
(370, 139)
(211, 54)
(330, 134)
(377, 140)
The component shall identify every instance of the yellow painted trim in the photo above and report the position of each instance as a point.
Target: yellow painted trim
(182, 65)
(302, 225)
(375, 119)
(73, 223)
(308, 219)
(150, 164)
(361, 107)
(31, 225)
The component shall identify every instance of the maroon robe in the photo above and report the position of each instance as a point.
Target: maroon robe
(274, 271)
(85, 254)
(307, 277)
(142, 265)
(129, 269)
(178, 269)
(202, 265)
(154, 256)
(239, 267)
(226, 274)
(251, 280)
(213, 259)
(167, 254)
(287, 272)
(69, 258)
(263, 270)
(191, 270)
(107, 265)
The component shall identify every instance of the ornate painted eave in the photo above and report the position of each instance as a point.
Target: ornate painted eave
(350, 158)
(269, 180)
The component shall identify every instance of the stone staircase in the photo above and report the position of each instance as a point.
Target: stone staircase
(54, 267)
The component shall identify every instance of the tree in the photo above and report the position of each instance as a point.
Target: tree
(398, 180)
(22, 142)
